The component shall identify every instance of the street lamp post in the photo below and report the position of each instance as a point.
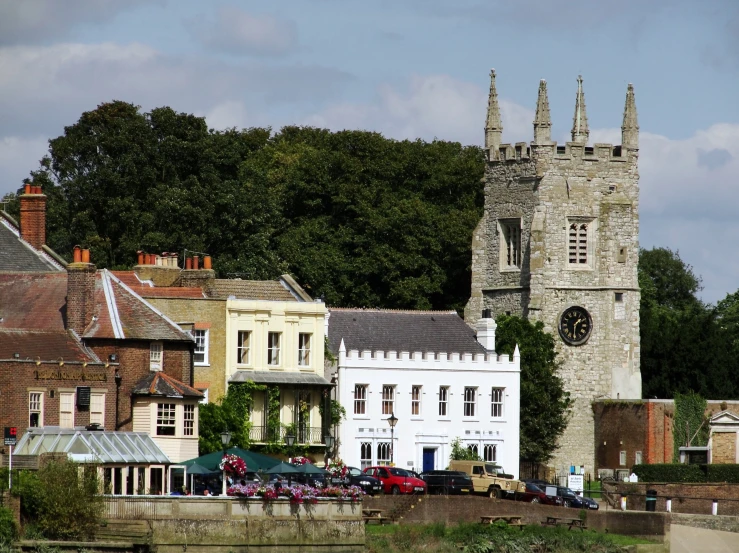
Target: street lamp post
(225, 440)
(392, 421)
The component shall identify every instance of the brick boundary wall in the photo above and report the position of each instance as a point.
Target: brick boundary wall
(456, 509)
(686, 498)
(14, 504)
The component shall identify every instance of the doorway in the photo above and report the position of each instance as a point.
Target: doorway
(429, 455)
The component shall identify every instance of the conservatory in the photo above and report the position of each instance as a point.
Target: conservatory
(131, 463)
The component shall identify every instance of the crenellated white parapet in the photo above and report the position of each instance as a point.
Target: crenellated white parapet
(430, 361)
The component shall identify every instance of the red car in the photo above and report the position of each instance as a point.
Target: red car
(397, 481)
(534, 494)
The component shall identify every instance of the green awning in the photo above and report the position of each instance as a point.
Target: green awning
(254, 461)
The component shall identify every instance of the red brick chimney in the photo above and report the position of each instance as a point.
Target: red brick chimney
(33, 216)
(80, 291)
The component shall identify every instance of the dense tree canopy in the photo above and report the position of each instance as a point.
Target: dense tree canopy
(358, 218)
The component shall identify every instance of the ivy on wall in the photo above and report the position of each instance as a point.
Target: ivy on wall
(691, 425)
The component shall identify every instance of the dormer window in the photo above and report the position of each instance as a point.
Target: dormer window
(156, 356)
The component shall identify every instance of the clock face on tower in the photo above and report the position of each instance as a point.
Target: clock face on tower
(575, 325)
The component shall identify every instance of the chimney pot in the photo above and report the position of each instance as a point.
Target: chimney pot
(26, 188)
(85, 255)
(147, 259)
(188, 263)
(207, 262)
(37, 190)
(139, 257)
(196, 262)
(173, 260)
(77, 254)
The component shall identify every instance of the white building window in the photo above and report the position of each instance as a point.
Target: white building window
(637, 458)
(35, 409)
(156, 356)
(470, 401)
(472, 448)
(490, 453)
(304, 349)
(243, 348)
(388, 399)
(496, 403)
(188, 428)
(383, 453)
(365, 455)
(97, 408)
(443, 400)
(510, 251)
(578, 239)
(360, 399)
(415, 400)
(201, 346)
(66, 409)
(165, 419)
(622, 458)
(273, 348)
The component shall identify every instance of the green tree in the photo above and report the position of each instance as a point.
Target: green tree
(462, 453)
(544, 401)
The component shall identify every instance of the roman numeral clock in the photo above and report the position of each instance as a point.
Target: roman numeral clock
(575, 325)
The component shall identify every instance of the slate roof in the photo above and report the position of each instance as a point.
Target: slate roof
(18, 255)
(279, 377)
(146, 288)
(48, 346)
(33, 301)
(250, 290)
(160, 384)
(121, 313)
(411, 331)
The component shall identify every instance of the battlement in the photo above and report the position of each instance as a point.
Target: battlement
(521, 151)
(430, 360)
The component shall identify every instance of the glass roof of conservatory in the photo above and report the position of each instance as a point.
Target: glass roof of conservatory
(92, 446)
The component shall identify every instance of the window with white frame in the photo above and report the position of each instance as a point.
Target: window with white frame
(510, 250)
(156, 356)
(470, 401)
(472, 448)
(166, 419)
(66, 409)
(490, 453)
(360, 399)
(273, 348)
(243, 347)
(383, 453)
(578, 238)
(201, 346)
(365, 455)
(622, 458)
(304, 340)
(388, 399)
(443, 400)
(637, 458)
(97, 408)
(188, 428)
(415, 400)
(35, 409)
(496, 402)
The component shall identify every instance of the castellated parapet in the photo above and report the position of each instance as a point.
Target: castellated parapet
(561, 230)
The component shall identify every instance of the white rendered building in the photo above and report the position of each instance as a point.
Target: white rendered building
(439, 378)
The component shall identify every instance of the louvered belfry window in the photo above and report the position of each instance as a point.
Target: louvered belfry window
(578, 243)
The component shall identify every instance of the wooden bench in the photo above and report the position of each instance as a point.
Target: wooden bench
(570, 522)
(370, 516)
(510, 520)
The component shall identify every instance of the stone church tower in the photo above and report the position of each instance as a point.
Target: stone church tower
(559, 243)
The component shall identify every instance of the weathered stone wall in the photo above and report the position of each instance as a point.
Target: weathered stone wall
(723, 447)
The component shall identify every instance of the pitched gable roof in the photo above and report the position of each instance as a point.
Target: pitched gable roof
(411, 331)
(146, 288)
(46, 346)
(250, 290)
(18, 255)
(122, 313)
(160, 384)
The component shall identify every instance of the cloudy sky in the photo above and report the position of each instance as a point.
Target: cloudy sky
(407, 68)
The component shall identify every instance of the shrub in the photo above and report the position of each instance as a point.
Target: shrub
(678, 473)
(8, 526)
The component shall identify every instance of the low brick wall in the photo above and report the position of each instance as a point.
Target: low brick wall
(13, 503)
(686, 498)
(455, 509)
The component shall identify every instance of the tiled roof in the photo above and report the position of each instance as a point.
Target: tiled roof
(33, 301)
(146, 289)
(279, 377)
(386, 330)
(17, 255)
(272, 290)
(160, 384)
(121, 313)
(48, 346)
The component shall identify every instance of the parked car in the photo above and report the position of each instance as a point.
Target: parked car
(534, 494)
(397, 481)
(370, 484)
(572, 499)
(538, 482)
(447, 482)
(489, 479)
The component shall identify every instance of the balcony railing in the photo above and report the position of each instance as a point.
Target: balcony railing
(310, 435)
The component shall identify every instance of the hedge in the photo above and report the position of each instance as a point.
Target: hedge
(687, 473)
(8, 527)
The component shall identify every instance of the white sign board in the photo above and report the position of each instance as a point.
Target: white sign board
(576, 482)
(551, 490)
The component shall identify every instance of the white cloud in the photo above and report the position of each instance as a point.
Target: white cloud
(237, 32)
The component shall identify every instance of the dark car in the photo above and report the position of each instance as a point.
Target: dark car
(447, 482)
(355, 477)
(534, 494)
(572, 499)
